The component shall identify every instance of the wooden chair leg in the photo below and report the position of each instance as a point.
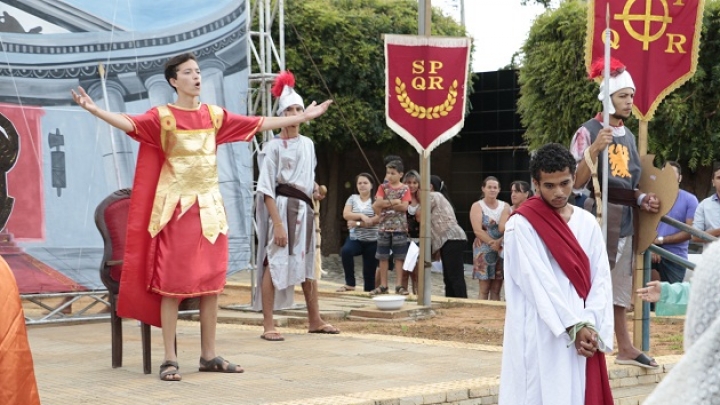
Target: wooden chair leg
(145, 333)
(116, 335)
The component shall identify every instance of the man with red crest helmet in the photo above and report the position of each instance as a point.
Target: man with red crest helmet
(624, 196)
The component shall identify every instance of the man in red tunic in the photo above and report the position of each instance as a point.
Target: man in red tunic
(177, 243)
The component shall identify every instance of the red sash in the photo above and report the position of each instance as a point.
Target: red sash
(571, 257)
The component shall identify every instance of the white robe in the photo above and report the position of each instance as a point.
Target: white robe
(289, 162)
(695, 379)
(537, 365)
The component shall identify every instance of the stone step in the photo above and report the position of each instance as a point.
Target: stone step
(633, 395)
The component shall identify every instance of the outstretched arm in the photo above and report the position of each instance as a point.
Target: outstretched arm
(119, 121)
(312, 111)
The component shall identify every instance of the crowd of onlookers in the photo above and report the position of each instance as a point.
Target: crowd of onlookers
(384, 223)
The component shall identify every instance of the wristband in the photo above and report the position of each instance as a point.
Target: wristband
(641, 198)
(277, 223)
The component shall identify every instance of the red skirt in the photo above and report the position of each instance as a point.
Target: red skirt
(186, 264)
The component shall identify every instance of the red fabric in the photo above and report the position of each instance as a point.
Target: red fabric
(566, 250)
(34, 276)
(182, 247)
(657, 65)
(560, 241)
(17, 375)
(136, 299)
(116, 219)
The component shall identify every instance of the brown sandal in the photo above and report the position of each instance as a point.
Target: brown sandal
(345, 288)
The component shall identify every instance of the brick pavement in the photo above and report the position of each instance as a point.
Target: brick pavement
(72, 365)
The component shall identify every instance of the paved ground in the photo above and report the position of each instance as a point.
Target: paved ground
(72, 365)
(335, 274)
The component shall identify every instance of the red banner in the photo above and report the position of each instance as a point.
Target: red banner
(425, 81)
(656, 39)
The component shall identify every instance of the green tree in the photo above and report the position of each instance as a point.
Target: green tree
(339, 43)
(556, 96)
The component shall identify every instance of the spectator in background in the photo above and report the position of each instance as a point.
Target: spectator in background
(672, 239)
(391, 202)
(412, 180)
(519, 193)
(707, 215)
(448, 239)
(488, 216)
(362, 223)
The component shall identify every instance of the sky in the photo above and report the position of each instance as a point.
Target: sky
(498, 27)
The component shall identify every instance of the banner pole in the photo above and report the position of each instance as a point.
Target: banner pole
(606, 122)
(424, 276)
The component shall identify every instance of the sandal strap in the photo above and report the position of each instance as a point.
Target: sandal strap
(169, 363)
(217, 363)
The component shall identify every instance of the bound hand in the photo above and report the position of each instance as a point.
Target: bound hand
(586, 342)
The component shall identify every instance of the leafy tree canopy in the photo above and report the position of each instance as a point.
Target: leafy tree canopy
(556, 96)
(340, 42)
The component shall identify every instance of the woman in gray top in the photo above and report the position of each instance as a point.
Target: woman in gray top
(362, 223)
(448, 239)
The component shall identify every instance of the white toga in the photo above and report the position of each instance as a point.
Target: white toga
(288, 161)
(537, 366)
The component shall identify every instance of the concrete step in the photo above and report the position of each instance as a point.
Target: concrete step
(634, 395)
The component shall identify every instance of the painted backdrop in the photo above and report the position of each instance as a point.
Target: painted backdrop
(57, 162)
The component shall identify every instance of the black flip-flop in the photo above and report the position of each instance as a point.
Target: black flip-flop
(642, 360)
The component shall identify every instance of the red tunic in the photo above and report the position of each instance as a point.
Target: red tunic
(179, 261)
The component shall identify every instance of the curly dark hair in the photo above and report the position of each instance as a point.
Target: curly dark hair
(551, 158)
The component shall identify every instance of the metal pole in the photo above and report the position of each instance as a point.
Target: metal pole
(646, 305)
(462, 13)
(424, 278)
(606, 123)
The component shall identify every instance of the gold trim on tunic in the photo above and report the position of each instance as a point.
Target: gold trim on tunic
(188, 175)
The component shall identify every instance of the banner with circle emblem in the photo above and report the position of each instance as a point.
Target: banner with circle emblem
(657, 40)
(425, 80)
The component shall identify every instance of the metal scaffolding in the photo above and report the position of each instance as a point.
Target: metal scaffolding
(266, 57)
